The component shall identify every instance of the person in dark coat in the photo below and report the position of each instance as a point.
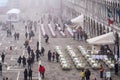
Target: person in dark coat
(101, 71)
(25, 74)
(26, 35)
(19, 60)
(18, 35)
(29, 50)
(30, 74)
(53, 56)
(24, 61)
(37, 54)
(87, 74)
(42, 50)
(0, 69)
(29, 61)
(37, 44)
(32, 56)
(57, 57)
(49, 55)
(42, 71)
(15, 35)
(116, 68)
(3, 57)
(47, 38)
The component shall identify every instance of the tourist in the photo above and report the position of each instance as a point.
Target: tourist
(87, 74)
(18, 35)
(24, 61)
(32, 56)
(0, 69)
(37, 44)
(15, 35)
(26, 35)
(74, 32)
(49, 55)
(25, 74)
(42, 70)
(57, 57)
(28, 50)
(30, 74)
(46, 38)
(101, 71)
(3, 57)
(19, 60)
(37, 54)
(116, 68)
(42, 50)
(29, 61)
(53, 56)
(83, 75)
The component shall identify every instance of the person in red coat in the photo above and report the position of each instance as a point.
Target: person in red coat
(42, 71)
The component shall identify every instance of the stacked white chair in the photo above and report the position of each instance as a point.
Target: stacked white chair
(77, 62)
(64, 63)
(109, 63)
(93, 63)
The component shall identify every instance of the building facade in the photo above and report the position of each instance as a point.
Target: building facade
(95, 14)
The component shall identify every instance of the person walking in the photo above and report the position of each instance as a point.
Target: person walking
(3, 57)
(42, 50)
(24, 61)
(87, 74)
(116, 68)
(28, 50)
(19, 60)
(37, 44)
(26, 35)
(15, 35)
(37, 54)
(18, 36)
(32, 56)
(0, 69)
(25, 74)
(29, 61)
(30, 74)
(49, 55)
(42, 71)
(74, 32)
(57, 57)
(101, 71)
(53, 56)
(83, 75)
(46, 38)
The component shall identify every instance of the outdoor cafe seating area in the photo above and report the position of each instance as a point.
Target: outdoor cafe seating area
(63, 61)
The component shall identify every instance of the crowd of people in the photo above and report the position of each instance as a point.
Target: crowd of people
(52, 56)
(79, 34)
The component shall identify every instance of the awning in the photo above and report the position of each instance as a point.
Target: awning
(107, 38)
(13, 11)
(78, 20)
